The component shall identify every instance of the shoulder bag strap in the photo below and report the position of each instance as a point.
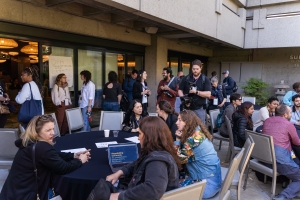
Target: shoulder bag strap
(30, 91)
(35, 171)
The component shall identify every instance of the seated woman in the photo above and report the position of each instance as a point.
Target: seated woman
(133, 116)
(241, 120)
(157, 152)
(195, 149)
(264, 113)
(167, 113)
(21, 180)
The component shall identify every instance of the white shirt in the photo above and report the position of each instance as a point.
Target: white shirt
(262, 115)
(25, 94)
(60, 94)
(144, 99)
(87, 93)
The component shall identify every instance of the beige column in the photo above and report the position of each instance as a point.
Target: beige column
(156, 57)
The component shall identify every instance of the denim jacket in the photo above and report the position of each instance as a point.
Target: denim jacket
(205, 163)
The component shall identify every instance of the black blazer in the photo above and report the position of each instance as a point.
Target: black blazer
(21, 183)
(137, 90)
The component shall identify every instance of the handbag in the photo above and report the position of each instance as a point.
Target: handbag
(4, 109)
(36, 179)
(30, 109)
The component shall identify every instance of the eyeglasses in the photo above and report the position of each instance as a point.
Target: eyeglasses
(240, 99)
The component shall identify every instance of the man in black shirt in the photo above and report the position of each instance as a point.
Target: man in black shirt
(200, 92)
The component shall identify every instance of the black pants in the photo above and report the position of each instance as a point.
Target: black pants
(145, 108)
(3, 119)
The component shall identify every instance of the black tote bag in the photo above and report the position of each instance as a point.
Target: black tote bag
(30, 108)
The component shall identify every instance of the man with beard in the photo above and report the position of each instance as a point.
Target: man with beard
(284, 134)
(168, 87)
(296, 111)
(198, 87)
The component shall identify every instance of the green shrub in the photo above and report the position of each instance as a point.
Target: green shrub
(257, 88)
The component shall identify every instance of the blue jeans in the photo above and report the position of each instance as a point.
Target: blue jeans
(213, 185)
(85, 120)
(201, 113)
(111, 106)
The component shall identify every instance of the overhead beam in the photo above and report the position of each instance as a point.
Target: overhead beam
(51, 3)
(118, 18)
(87, 10)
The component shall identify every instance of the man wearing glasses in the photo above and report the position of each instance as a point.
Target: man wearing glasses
(198, 88)
(168, 87)
(235, 101)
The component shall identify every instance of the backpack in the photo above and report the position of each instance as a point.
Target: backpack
(235, 87)
(220, 119)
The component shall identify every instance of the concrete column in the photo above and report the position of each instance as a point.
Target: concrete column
(156, 57)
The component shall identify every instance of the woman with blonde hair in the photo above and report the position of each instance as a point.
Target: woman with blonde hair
(195, 149)
(37, 142)
(61, 98)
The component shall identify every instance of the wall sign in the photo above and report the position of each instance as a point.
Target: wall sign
(60, 65)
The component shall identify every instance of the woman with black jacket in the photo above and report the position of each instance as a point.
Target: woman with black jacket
(242, 120)
(133, 116)
(167, 113)
(140, 90)
(21, 181)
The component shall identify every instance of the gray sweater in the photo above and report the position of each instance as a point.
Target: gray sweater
(229, 110)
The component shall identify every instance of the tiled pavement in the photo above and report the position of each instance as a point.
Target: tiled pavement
(255, 190)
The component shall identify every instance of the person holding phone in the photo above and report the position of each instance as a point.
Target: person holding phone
(140, 90)
(61, 98)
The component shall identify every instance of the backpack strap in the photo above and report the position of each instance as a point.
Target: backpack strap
(35, 171)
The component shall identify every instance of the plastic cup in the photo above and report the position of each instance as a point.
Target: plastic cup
(106, 133)
(116, 133)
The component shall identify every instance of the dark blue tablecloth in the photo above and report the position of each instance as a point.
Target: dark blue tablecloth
(78, 184)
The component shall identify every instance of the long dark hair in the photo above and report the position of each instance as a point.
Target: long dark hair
(130, 112)
(139, 77)
(167, 107)
(87, 75)
(157, 137)
(243, 109)
(112, 77)
(191, 122)
(34, 72)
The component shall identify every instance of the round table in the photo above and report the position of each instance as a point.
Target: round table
(79, 183)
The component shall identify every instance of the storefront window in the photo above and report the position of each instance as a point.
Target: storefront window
(186, 68)
(173, 65)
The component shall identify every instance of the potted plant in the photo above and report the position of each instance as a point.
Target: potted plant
(257, 88)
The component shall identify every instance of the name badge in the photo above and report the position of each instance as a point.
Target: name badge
(215, 102)
(66, 102)
(228, 98)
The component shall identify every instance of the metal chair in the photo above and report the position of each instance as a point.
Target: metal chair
(232, 149)
(255, 116)
(263, 152)
(75, 119)
(238, 176)
(56, 129)
(251, 99)
(8, 149)
(111, 120)
(223, 194)
(192, 192)
(216, 135)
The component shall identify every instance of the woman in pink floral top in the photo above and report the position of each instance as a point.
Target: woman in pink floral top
(196, 151)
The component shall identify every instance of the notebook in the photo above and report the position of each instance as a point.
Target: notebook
(121, 154)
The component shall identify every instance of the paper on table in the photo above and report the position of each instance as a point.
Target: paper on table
(105, 144)
(134, 139)
(73, 150)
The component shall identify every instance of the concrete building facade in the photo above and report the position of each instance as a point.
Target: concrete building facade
(251, 38)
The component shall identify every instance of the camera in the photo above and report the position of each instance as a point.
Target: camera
(192, 86)
(168, 94)
(186, 100)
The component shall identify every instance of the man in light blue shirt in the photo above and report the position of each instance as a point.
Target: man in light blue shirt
(287, 99)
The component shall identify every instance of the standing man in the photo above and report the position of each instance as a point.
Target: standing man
(168, 87)
(87, 98)
(198, 87)
(284, 134)
(128, 84)
(228, 82)
(287, 99)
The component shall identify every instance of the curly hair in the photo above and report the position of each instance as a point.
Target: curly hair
(57, 80)
(191, 122)
(157, 137)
